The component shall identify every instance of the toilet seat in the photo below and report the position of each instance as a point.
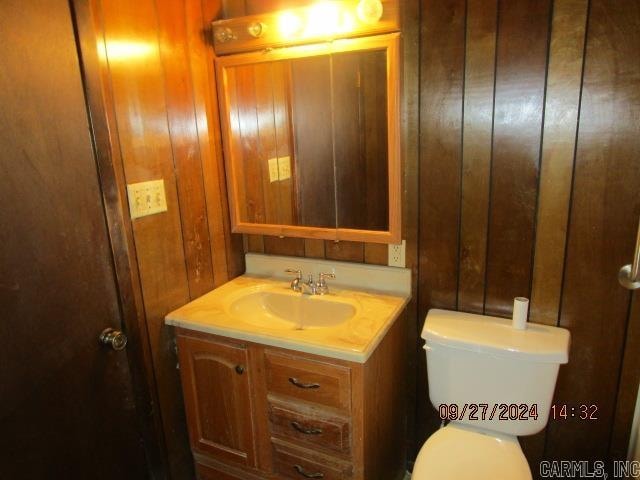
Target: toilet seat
(461, 452)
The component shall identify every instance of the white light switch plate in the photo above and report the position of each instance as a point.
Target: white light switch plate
(273, 169)
(284, 168)
(146, 198)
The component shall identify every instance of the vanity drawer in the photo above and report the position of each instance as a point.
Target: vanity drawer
(295, 464)
(310, 429)
(309, 380)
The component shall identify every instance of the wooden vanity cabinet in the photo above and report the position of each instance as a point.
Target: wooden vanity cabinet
(217, 394)
(261, 412)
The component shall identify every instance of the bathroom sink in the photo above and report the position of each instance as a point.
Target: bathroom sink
(290, 310)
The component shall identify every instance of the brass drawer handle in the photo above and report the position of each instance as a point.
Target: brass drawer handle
(301, 471)
(306, 431)
(298, 384)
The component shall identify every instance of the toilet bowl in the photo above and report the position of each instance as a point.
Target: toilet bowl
(463, 453)
(492, 383)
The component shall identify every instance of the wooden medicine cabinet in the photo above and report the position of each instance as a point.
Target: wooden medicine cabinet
(311, 139)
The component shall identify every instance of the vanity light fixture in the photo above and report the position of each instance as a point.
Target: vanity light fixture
(318, 22)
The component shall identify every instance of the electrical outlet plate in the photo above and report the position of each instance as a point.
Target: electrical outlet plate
(397, 254)
(146, 198)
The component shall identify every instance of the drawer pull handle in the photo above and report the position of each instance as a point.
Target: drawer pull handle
(298, 384)
(301, 471)
(306, 431)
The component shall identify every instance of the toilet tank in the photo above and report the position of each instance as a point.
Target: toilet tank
(484, 373)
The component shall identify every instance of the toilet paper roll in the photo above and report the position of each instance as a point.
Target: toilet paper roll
(520, 312)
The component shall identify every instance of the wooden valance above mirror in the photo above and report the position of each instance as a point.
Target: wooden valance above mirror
(311, 139)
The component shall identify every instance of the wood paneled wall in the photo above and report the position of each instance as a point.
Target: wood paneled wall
(151, 91)
(529, 173)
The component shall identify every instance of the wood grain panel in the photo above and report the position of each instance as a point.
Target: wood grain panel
(284, 246)
(376, 253)
(410, 102)
(109, 160)
(441, 83)
(313, 248)
(519, 100)
(267, 148)
(602, 229)
(344, 250)
(287, 208)
(226, 249)
(185, 147)
(253, 170)
(310, 100)
(476, 151)
(627, 392)
(440, 151)
(137, 79)
(564, 80)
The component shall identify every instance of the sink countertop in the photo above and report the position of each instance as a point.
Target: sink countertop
(354, 340)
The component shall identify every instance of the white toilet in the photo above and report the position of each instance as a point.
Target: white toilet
(476, 360)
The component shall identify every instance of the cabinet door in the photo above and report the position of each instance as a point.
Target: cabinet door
(215, 382)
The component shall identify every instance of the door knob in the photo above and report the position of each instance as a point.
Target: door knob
(113, 338)
(629, 275)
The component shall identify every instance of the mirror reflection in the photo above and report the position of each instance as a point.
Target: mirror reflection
(309, 141)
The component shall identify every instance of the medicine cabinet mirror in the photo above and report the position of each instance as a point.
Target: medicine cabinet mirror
(311, 140)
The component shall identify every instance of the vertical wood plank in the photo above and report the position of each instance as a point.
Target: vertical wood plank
(602, 230)
(313, 248)
(376, 253)
(253, 173)
(255, 243)
(284, 141)
(410, 12)
(519, 99)
(442, 66)
(284, 246)
(441, 80)
(627, 386)
(266, 134)
(564, 80)
(476, 151)
(141, 115)
(343, 250)
(186, 149)
(226, 249)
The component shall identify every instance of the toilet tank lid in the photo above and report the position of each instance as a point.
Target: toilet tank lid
(496, 336)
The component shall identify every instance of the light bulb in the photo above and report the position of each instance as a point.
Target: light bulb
(369, 11)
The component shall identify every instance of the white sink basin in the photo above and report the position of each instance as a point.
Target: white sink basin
(290, 310)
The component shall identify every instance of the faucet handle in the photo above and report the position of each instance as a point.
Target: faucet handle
(323, 276)
(296, 272)
(322, 287)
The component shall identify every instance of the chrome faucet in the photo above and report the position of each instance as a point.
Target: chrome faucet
(295, 283)
(322, 287)
(314, 288)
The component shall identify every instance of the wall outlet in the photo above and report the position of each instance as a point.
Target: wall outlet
(397, 254)
(146, 198)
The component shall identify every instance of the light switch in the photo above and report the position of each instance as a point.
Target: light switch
(273, 169)
(146, 198)
(284, 168)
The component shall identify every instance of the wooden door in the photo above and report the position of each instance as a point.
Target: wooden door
(215, 383)
(66, 402)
